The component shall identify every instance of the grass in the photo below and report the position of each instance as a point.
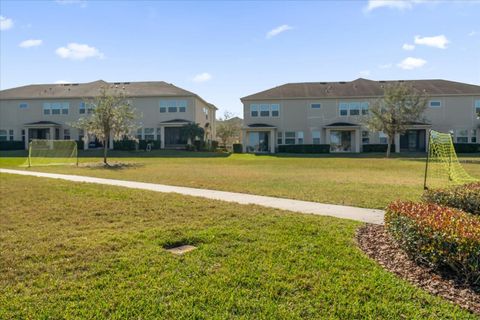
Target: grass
(88, 251)
(364, 180)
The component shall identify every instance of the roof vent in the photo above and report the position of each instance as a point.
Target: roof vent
(74, 84)
(117, 83)
(126, 83)
(323, 82)
(382, 81)
(401, 80)
(342, 82)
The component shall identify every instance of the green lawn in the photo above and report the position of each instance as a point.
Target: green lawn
(359, 180)
(88, 251)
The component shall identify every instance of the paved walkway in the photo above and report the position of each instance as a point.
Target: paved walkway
(345, 212)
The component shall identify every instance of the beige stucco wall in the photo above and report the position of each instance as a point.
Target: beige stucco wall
(148, 108)
(455, 113)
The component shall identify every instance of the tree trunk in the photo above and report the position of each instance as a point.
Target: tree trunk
(105, 149)
(389, 146)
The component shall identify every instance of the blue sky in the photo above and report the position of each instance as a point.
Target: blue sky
(225, 50)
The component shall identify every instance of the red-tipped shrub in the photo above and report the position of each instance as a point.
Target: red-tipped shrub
(438, 236)
(465, 197)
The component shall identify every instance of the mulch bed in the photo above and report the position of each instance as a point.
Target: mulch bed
(378, 245)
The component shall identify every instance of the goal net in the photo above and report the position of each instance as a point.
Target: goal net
(442, 167)
(52, 152)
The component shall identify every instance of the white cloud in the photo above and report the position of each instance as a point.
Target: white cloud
(385, 66)
(275, 32)
(76, 51)
(82, 3)
(61, 81)
(364, 73)
(408, 47)
(392, 4)
(202, 77)
(30, 43)
(472, 33)
(411, 63)
(437, 41)
(5, 23)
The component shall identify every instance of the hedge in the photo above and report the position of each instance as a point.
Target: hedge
(466, 147)
(125, 145)
(12, 145)
(464, 197)
(142, 144)
(237, 148)
(377, 148)
(80, 144)
(304, 148)
(438, 236)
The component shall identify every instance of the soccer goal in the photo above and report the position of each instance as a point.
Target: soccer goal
(442, 167)
(52, 152)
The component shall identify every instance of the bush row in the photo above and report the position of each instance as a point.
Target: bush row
(466, 147)
(464, 197)
(377, 148)
(438, 236)
(12, 145)
(304, 148)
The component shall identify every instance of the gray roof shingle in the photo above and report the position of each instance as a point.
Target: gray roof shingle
(360, 88)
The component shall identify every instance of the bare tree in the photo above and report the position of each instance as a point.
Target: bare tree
(112, 116)
(400, 106)
(227, 130)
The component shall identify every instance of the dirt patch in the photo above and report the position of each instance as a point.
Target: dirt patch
(111, 165)
(378, 245)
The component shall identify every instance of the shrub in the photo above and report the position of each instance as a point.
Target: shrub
(12, 145)
(439, 236)
(80, 144)
(142, 144)
(464, 197)
(304, 148)
(125, 145)
(377, 148)
(237, 148)
(190, 147)
(466, 147)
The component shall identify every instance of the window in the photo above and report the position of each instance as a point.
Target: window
(315, 105)
(139, 134)
(80, 134)
(300, 137)
(264, 110)
(365, 137)
(353, 108)
(23, 105)
(23, 135)
(85, 107)
(10, 133)
(477, 107)
(473, 136)
(290, 137)
(383, 137)
(55, 108)
(173, 106)
(275, 110)
(316, 137)
(254, 110)
(364, 107)
(279, 137)
(3, 135)
(149, 134)
(159, 134)
(66, 134)
(435, 103)
(461, 136)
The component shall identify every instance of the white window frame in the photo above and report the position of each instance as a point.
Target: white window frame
(314, 133)
(473, 136)
(61, 107)
(476, 107)
(435, 101)
(316, 104)
(254, 108)
(463, 136)
(3, 134)
(300, 137)
(290, 136)
(149, 132)
(66, 133)
(275, 107)
(382, 135)
(279, 137)
(365, 137)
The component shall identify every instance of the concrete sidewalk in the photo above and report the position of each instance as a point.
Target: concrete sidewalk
(344, 212)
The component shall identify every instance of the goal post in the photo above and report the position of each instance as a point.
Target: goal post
(442, 167)
(52, 152)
